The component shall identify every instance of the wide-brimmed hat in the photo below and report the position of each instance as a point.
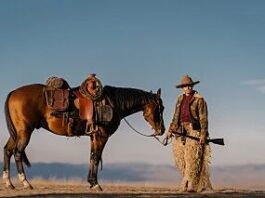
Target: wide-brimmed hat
(186, 81)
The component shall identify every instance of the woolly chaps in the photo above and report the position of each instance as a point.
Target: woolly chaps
(192, 159)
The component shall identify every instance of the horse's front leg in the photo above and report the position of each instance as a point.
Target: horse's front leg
(97, 145)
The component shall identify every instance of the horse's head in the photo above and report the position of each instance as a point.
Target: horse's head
(153, 114)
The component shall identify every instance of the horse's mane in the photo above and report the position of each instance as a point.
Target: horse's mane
(126, 98)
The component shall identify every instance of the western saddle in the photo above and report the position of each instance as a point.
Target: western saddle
(82, 109)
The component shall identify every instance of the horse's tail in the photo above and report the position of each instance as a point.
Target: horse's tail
(12, 130)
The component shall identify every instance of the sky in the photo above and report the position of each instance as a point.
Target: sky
(145, 44)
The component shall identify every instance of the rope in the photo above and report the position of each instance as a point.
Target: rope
(99, 89)
(152, 135)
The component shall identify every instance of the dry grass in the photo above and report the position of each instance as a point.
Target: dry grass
(77, 188)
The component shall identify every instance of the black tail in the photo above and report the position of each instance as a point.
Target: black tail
(12, 130)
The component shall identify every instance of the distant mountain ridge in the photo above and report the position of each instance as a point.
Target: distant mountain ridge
(136, 172)
(242, 175)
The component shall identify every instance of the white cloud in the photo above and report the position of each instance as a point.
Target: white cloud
(258, 83)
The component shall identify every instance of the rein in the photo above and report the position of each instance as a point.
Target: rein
(151, 135)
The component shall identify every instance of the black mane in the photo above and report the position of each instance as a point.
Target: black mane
(127, 98)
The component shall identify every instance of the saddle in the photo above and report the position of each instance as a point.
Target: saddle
(94, 111)
(79, 112)
(57, 94)
(85, 106)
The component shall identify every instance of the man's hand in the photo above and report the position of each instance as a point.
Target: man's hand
(169, 134)
(172, 127)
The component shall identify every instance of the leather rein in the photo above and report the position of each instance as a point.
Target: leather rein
(142, 134)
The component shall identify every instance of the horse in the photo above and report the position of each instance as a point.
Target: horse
(26, 110)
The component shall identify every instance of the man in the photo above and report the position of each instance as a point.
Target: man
(191, 156)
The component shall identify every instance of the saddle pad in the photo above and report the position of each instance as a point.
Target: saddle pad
(57, 99)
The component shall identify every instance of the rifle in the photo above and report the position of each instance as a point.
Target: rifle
(219, 141)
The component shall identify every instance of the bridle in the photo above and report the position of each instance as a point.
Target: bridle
(160, 116)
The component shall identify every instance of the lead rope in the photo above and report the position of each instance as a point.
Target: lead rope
(152, 135)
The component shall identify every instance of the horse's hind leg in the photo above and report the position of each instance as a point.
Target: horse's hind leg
(21, 144)
(8, 152)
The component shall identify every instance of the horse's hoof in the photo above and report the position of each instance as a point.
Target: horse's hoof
(97, 188)
(28, 187)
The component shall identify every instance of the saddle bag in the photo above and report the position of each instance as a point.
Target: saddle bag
(57, 99)
(57, 93)
(104, 113)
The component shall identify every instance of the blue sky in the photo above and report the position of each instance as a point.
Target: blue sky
(147, 45)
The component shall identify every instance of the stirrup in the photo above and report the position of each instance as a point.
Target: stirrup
(92, 129)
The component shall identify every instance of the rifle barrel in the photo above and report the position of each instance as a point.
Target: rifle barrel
(219, 141)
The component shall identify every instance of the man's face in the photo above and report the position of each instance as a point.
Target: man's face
(187, 89)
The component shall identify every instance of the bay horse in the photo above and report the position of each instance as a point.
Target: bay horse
(26, 110)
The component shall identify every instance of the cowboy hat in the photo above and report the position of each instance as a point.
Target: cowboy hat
(186, 81)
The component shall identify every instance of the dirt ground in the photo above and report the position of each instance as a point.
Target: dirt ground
(81, 189)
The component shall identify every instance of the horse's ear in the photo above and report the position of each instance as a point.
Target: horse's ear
(158, 92)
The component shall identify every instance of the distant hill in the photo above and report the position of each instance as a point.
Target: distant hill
(111, 172)
(244, 175)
